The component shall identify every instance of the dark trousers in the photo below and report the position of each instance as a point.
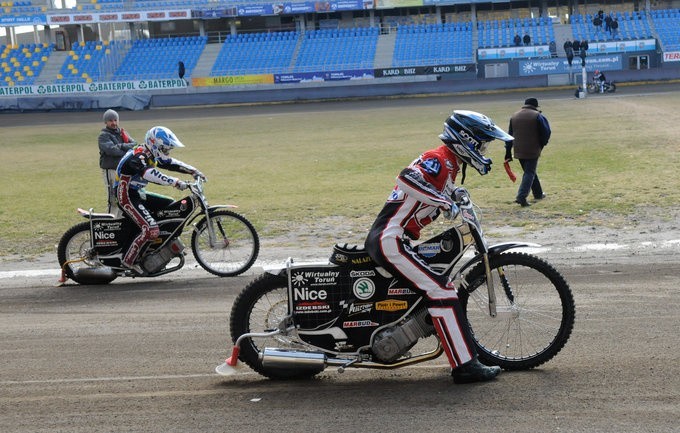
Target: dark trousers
(529, 180)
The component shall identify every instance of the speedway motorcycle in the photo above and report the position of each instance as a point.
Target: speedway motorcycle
(294, 321)
(223, 242)
(607, 87)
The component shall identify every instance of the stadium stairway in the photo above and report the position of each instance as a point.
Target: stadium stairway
(562, 33)
(206, 60)
(54, 63)
(384, 50)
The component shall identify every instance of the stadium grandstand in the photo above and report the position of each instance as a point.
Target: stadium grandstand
(223, 43)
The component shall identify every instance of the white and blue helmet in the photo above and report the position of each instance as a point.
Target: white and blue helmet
(159, 141)
(467, 134)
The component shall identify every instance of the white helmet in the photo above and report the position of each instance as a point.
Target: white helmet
(159, 141)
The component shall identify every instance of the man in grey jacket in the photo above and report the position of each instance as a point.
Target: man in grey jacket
(531, 133)
(114, 142)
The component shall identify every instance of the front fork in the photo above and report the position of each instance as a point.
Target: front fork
(490, 286)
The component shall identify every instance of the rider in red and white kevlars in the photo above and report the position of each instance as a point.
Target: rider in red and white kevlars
(136, 169)
(424, 190)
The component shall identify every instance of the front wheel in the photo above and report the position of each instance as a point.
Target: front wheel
(75, 253)
(232, 250)
(261, 307)
(535, 311)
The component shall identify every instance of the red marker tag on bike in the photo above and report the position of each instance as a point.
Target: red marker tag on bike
(508, 170)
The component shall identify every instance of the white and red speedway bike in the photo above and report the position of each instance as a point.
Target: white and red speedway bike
(295, 321)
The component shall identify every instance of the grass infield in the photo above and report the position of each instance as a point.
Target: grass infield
(608, 156)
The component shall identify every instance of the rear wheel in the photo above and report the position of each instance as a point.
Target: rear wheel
(261, 307)
(74, 252)
(234, 248)
(535, 311)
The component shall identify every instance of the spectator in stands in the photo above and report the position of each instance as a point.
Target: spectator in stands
(569, 51)
(597, 23)
(181, 70)
(615, 28)
(527, 39)
(114, 142)
(517, 40)
(531, 132)
(608, 23)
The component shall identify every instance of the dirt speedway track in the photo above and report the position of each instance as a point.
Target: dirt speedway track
(139, 355)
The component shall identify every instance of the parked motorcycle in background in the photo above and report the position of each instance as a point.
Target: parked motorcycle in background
(294, 321)
(223, 242)
(607, 87)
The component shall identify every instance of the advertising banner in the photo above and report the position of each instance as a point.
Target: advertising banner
(307, 77)
(87, 18)
(561, 66)
(235, 80)
(22, 20)
(671, 56)
(513, 52)
(424, 70)
(391, 4)
(83, 88)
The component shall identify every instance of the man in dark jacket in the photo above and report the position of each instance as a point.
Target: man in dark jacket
(531, 133)
(114, 142)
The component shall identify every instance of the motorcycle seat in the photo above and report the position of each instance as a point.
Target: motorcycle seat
(345, 254)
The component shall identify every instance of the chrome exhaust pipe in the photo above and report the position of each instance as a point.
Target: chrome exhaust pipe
(282, 358)
(95, 275)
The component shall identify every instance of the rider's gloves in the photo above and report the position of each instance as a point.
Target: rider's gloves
(508, 155)
(181, 185)
(196, 174)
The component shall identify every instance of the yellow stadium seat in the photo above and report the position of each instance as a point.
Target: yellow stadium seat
(28, 55)
(88, 57)
(26, 68)
(89, 80)
(29, 73)
(84, 75)
(74, 71)
(70, 66)
(59, 76)
(35, 63)
(75, 57)
(98, 48)
(43, 59)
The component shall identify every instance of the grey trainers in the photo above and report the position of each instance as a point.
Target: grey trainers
(474, 371)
